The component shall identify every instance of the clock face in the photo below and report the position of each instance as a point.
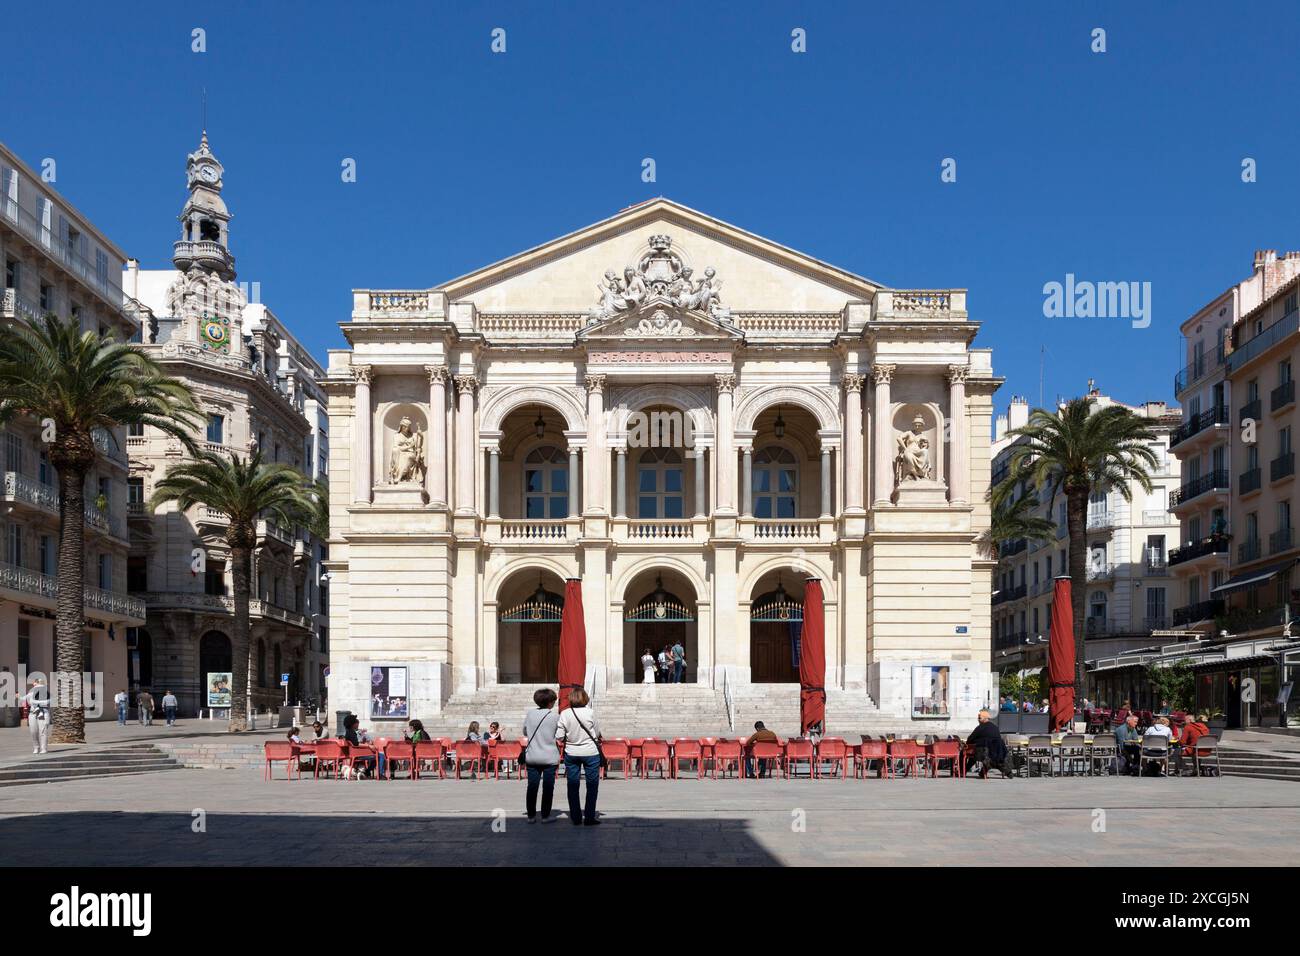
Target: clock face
(208, 173)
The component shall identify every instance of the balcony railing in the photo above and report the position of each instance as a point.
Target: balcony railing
(1100, 572)
(18, 487)
(1249, 481)
(1252, 409)
(1200, 611)
(1014, 639)
(15, 306)
(45, 586)
(1261, 343)
(103, 521)
(1100, 520)
(787, 529)
(1283, 466)
(1248, 551)
(534, 529)
(1009, 594)
(1212, 481)
(1155, 567)
(1156, 516)
(1282, 396)
(1280, 540)
(223, 604)
(1199, 423)
(66, 255)
(1010, 549)
(1214, 544)
(647, 529)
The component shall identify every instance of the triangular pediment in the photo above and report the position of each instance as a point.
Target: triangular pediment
(658, 319)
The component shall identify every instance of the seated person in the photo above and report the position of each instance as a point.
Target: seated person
(761, 735)
(1194, 728)
(418, 734)
(1129, 742)
(986, 747)
(318, 729)
(352, 734)
(295, 735)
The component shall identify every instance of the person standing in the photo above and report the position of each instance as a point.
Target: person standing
(170, 703)
(577, 728)
(541, 755)
(144, 703)
(120, 699)
(679, 663)
(665, 665)
(37, 700)
(647, 667)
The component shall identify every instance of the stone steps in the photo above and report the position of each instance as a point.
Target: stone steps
(101, 762)
(1268, 765)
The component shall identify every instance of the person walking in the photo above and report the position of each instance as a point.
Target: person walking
(144, 703)
(37, 700)
(121, 699)
(170, 703)
(647, 667)
(541, 755)
(577, 728)
(679, 662)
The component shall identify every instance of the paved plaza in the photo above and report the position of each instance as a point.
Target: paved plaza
(148, 819)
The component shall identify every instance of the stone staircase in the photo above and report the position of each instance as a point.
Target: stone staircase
(1249, 762)
(108, 761)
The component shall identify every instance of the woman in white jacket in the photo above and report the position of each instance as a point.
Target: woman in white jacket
(577, 728)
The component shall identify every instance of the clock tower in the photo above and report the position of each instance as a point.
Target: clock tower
(205, 221)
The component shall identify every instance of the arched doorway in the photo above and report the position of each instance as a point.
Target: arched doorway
(528, 629)
(658, 617)
(775, 626)
(215, 657)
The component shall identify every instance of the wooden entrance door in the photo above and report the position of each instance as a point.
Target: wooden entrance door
(539, 652)
(770, 653)
(654, 635)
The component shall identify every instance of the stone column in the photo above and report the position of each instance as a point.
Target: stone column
(494, 482)
(724, 461)
(958, 466)
(826, 483)
(853, 483)
(597, 459)
(466, 441)
(699, 482)
(361, 440)
(434, 456)
(747, 482)
(620, 482)
(883, 439)
(575, 506)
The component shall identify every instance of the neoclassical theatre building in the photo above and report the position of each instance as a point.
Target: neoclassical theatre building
(691, 419)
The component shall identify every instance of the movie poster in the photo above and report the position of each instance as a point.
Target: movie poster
(219, 688)
(930, 691)
(388, 693)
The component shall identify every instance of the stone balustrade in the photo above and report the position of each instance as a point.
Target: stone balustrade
(534, 529)
(789, 323)
(44, 586)
(18, 487)
(531, 324)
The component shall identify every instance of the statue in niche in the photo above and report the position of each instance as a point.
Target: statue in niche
(912, 461)
(406, 461)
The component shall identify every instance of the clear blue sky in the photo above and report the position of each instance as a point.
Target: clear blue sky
(1117, 166)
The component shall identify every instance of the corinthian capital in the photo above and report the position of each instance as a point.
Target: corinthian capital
(957, 374)
(437, 374)
(883, 374)
(852, 382)
(595, 383)
(363, 374)
(466, 383)
(726, 382)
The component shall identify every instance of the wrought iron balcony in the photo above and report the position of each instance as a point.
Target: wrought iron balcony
(20, 488)
(1252, 409)
(1282, 396)
(1199, 423)
(1214, 544)
(1010, 594)
(1249, 481)
(1249, 551)
(1202, 610)
(1283, 466)
(1212, 481)
(15, 306)
(1280, 540)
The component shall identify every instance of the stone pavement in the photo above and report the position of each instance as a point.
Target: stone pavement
(16, 742)
(148, 820)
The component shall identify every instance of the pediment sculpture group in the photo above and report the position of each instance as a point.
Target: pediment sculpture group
(660, 274)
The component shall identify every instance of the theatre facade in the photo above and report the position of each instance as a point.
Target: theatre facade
(691, 419)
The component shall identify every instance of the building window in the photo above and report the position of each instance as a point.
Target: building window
(1156, 606)
(24, 644)
(217, 429)
(546, 484)
(775, 474)
(49, 554)
(14, 545)
(106, 572)
(135, 430)
(135, 493)
(1097, 606)
(261, 663)
(137, 573)
(47, 297)
(214, 578)
(13, 452)
(660, 484)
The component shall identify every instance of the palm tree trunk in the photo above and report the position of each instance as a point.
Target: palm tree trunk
(1076, 516)
(68, 724)
(241, 560)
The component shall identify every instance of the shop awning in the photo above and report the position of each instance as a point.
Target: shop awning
(1248, 579)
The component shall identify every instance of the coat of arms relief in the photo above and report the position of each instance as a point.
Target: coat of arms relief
(659, 278)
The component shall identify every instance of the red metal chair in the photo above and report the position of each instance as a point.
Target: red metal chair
(433, 752)
(869, 750)
(907, 752)
(833, 750)
(764, 750)
(654, 752)
(397, 751)
(726, 753)
(949, 750)
(798, 751)
(332, 752)
(471, 752)
(634, 745)
(617, 749)
(507, 753)
(277, 750)
(362, 753)
(688, 749)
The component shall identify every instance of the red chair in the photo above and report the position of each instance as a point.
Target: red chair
(507, 753)
(833, 750)
(706, 748)
(688, 749)
(634, 745)
(907, 752)
(798, 751)
(332, 752)
(869, 750)
(471, 752)
(397, 751)
(362, 753)
(654, 752)
(765, 750)
(619, 750)
(277, 750)
(949, 750)
(726, 753)
(433, 752)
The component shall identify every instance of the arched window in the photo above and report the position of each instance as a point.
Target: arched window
(546, 483)
(261, 663)
(775, 474)
(660, 488)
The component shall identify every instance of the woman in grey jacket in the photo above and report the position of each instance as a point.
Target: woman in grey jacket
(541, 755)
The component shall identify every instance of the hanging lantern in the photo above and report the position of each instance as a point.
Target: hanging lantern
(539, 426)
(778, 427)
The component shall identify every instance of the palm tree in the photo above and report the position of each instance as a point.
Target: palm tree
(246, 490)
(1014, 519)
(80, 385)
(1073, 452)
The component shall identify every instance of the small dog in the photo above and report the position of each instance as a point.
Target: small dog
(350, 774)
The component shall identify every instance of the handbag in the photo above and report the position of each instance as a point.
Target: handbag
(523, 754)
(604, 761)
